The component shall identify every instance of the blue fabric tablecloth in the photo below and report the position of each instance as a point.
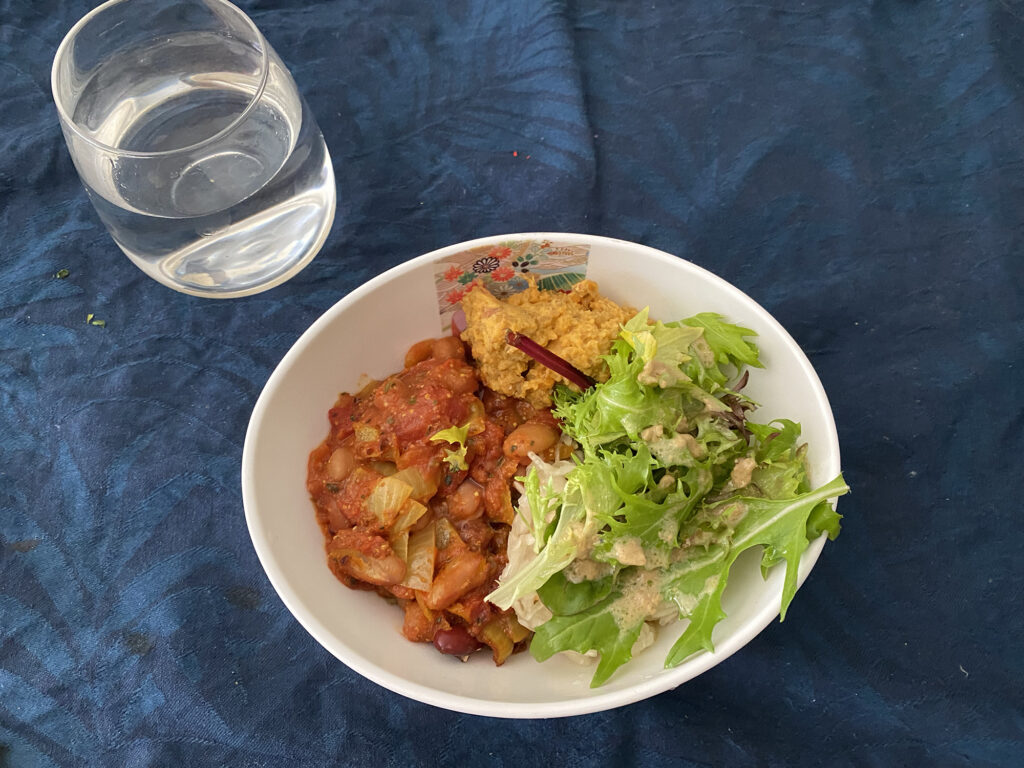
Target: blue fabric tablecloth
(857, 168)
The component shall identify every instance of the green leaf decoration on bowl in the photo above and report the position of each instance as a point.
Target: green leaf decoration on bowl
(561, 281)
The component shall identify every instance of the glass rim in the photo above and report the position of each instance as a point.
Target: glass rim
(68, 121)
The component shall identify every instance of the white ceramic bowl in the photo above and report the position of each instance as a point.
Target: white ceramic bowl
(367, 332)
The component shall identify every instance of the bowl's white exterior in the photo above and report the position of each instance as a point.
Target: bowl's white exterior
(362, 630)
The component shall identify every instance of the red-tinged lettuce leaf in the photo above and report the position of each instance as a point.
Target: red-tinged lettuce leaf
(777, 440)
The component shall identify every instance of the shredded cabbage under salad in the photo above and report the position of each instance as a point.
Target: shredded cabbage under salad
(671, 483)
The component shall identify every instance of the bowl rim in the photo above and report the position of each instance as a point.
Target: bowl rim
(665, 681)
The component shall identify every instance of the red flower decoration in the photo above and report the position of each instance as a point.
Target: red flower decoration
(500, 252)
(452, 273)
(454, 296)
(503, 273)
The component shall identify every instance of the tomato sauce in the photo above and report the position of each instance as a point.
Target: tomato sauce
(426, 521)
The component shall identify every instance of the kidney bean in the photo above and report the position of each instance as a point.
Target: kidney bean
(455, 641)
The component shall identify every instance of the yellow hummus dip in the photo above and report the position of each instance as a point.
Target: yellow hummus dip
(578, 326)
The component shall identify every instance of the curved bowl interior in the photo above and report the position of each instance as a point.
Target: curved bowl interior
(367, 333)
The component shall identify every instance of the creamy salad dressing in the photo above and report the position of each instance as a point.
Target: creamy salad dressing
(704, 353)
(584, 569)
(743, 472)
(629, 551)
(641, 596)
(659, 558)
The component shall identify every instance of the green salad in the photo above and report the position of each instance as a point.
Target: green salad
(671, 483)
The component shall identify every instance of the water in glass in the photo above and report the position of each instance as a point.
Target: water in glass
(220, 183)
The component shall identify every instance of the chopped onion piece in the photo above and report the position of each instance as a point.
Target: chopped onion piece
(408, 515)
(422, 490)
(387, 498)
(400, 545)
(420, 556)
(493, 633)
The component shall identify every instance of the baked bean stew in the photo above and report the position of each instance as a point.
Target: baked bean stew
(413, 491)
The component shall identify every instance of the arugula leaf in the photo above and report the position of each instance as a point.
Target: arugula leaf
(775, 440)
(733, 526)
(695, 584)
(823, 519)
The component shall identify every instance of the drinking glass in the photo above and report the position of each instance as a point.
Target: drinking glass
(194, 145)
